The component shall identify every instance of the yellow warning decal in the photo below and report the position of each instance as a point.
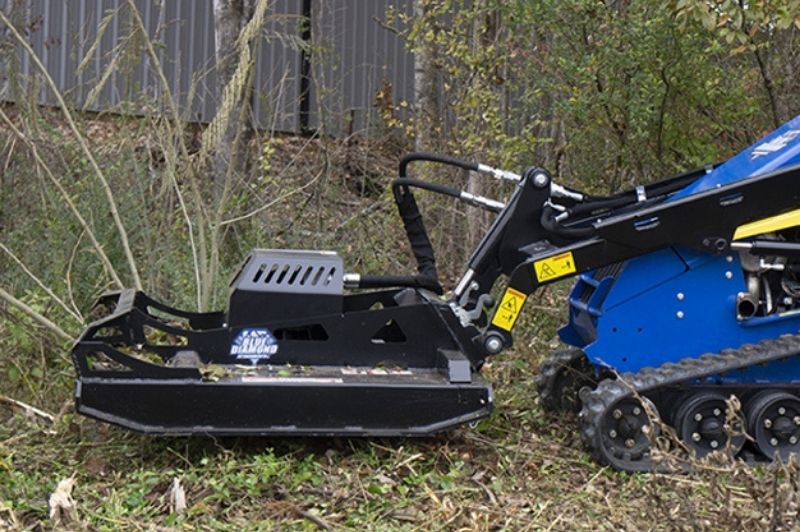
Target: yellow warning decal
(509, 309)
(554, 267)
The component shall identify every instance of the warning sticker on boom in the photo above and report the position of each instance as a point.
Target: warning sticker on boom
(509, 309)
(554, 267)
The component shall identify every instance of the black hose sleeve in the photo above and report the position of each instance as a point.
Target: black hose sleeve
(415, 231)
(412, 219)
(602, 204)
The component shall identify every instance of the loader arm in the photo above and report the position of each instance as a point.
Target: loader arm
(705, 221)
(546, 233)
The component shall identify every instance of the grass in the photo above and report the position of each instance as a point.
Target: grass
(519, 470)
(515, 470)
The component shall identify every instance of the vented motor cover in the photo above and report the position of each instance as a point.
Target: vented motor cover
(275, 285)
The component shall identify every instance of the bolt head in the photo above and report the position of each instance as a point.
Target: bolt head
(717, 412)
(767, 423)
(729, 258)
(636, 410)
(617, 413)
(540, 179)
(714, 444)
(629, 443)
(698, 417)
(612, 433)
(782, 411)
(680, 296)
(696, 436)
(793, 440)
(494, 344)
(797, 421)
(729, 275)
(680, 314)
(773, 442)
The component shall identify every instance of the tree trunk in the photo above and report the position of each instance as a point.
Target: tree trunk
(426, 87)
(230, 16)
(19, 11)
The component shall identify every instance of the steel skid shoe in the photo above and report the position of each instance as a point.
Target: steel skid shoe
(292, 355)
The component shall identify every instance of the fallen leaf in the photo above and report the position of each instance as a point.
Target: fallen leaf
(386, 481)
(177, 497)
(62, 505)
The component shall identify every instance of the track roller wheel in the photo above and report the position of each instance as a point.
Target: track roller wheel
(700, 423)
(774, 423)
(616, 428)
(561, 376)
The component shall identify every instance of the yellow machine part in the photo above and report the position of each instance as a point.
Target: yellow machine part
(768, 225)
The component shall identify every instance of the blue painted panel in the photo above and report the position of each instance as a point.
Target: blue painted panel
(643, 273)
(779, 149)
(658, 326)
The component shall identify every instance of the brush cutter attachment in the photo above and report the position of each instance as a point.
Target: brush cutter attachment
(293, 355)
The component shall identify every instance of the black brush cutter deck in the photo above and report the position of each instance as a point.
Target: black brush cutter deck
(293, 355)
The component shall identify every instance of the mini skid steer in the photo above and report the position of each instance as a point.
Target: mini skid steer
(688, 292)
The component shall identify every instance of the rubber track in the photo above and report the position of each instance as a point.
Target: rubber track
(610, 391)
(548, 372)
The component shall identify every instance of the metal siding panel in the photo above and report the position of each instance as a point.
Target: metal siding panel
(48, 59)
(170, 64)
(360, 57)
(37, 44)
(209, 105)
(111, 90)
(184, 57)
(4, 88)
(90, 75)
(277, 85)
(105, 99)
(165, 52)
(155, 29)
(71, 29)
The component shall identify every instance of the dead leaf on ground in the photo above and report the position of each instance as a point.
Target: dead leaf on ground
(177, 497)
(62, 506)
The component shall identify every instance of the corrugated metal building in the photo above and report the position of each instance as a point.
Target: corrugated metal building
(352, 56)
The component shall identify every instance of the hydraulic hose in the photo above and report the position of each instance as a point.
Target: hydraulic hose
(418, 183)
(412, 219)
(594, 204)
(435, 158)
(550, 225)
